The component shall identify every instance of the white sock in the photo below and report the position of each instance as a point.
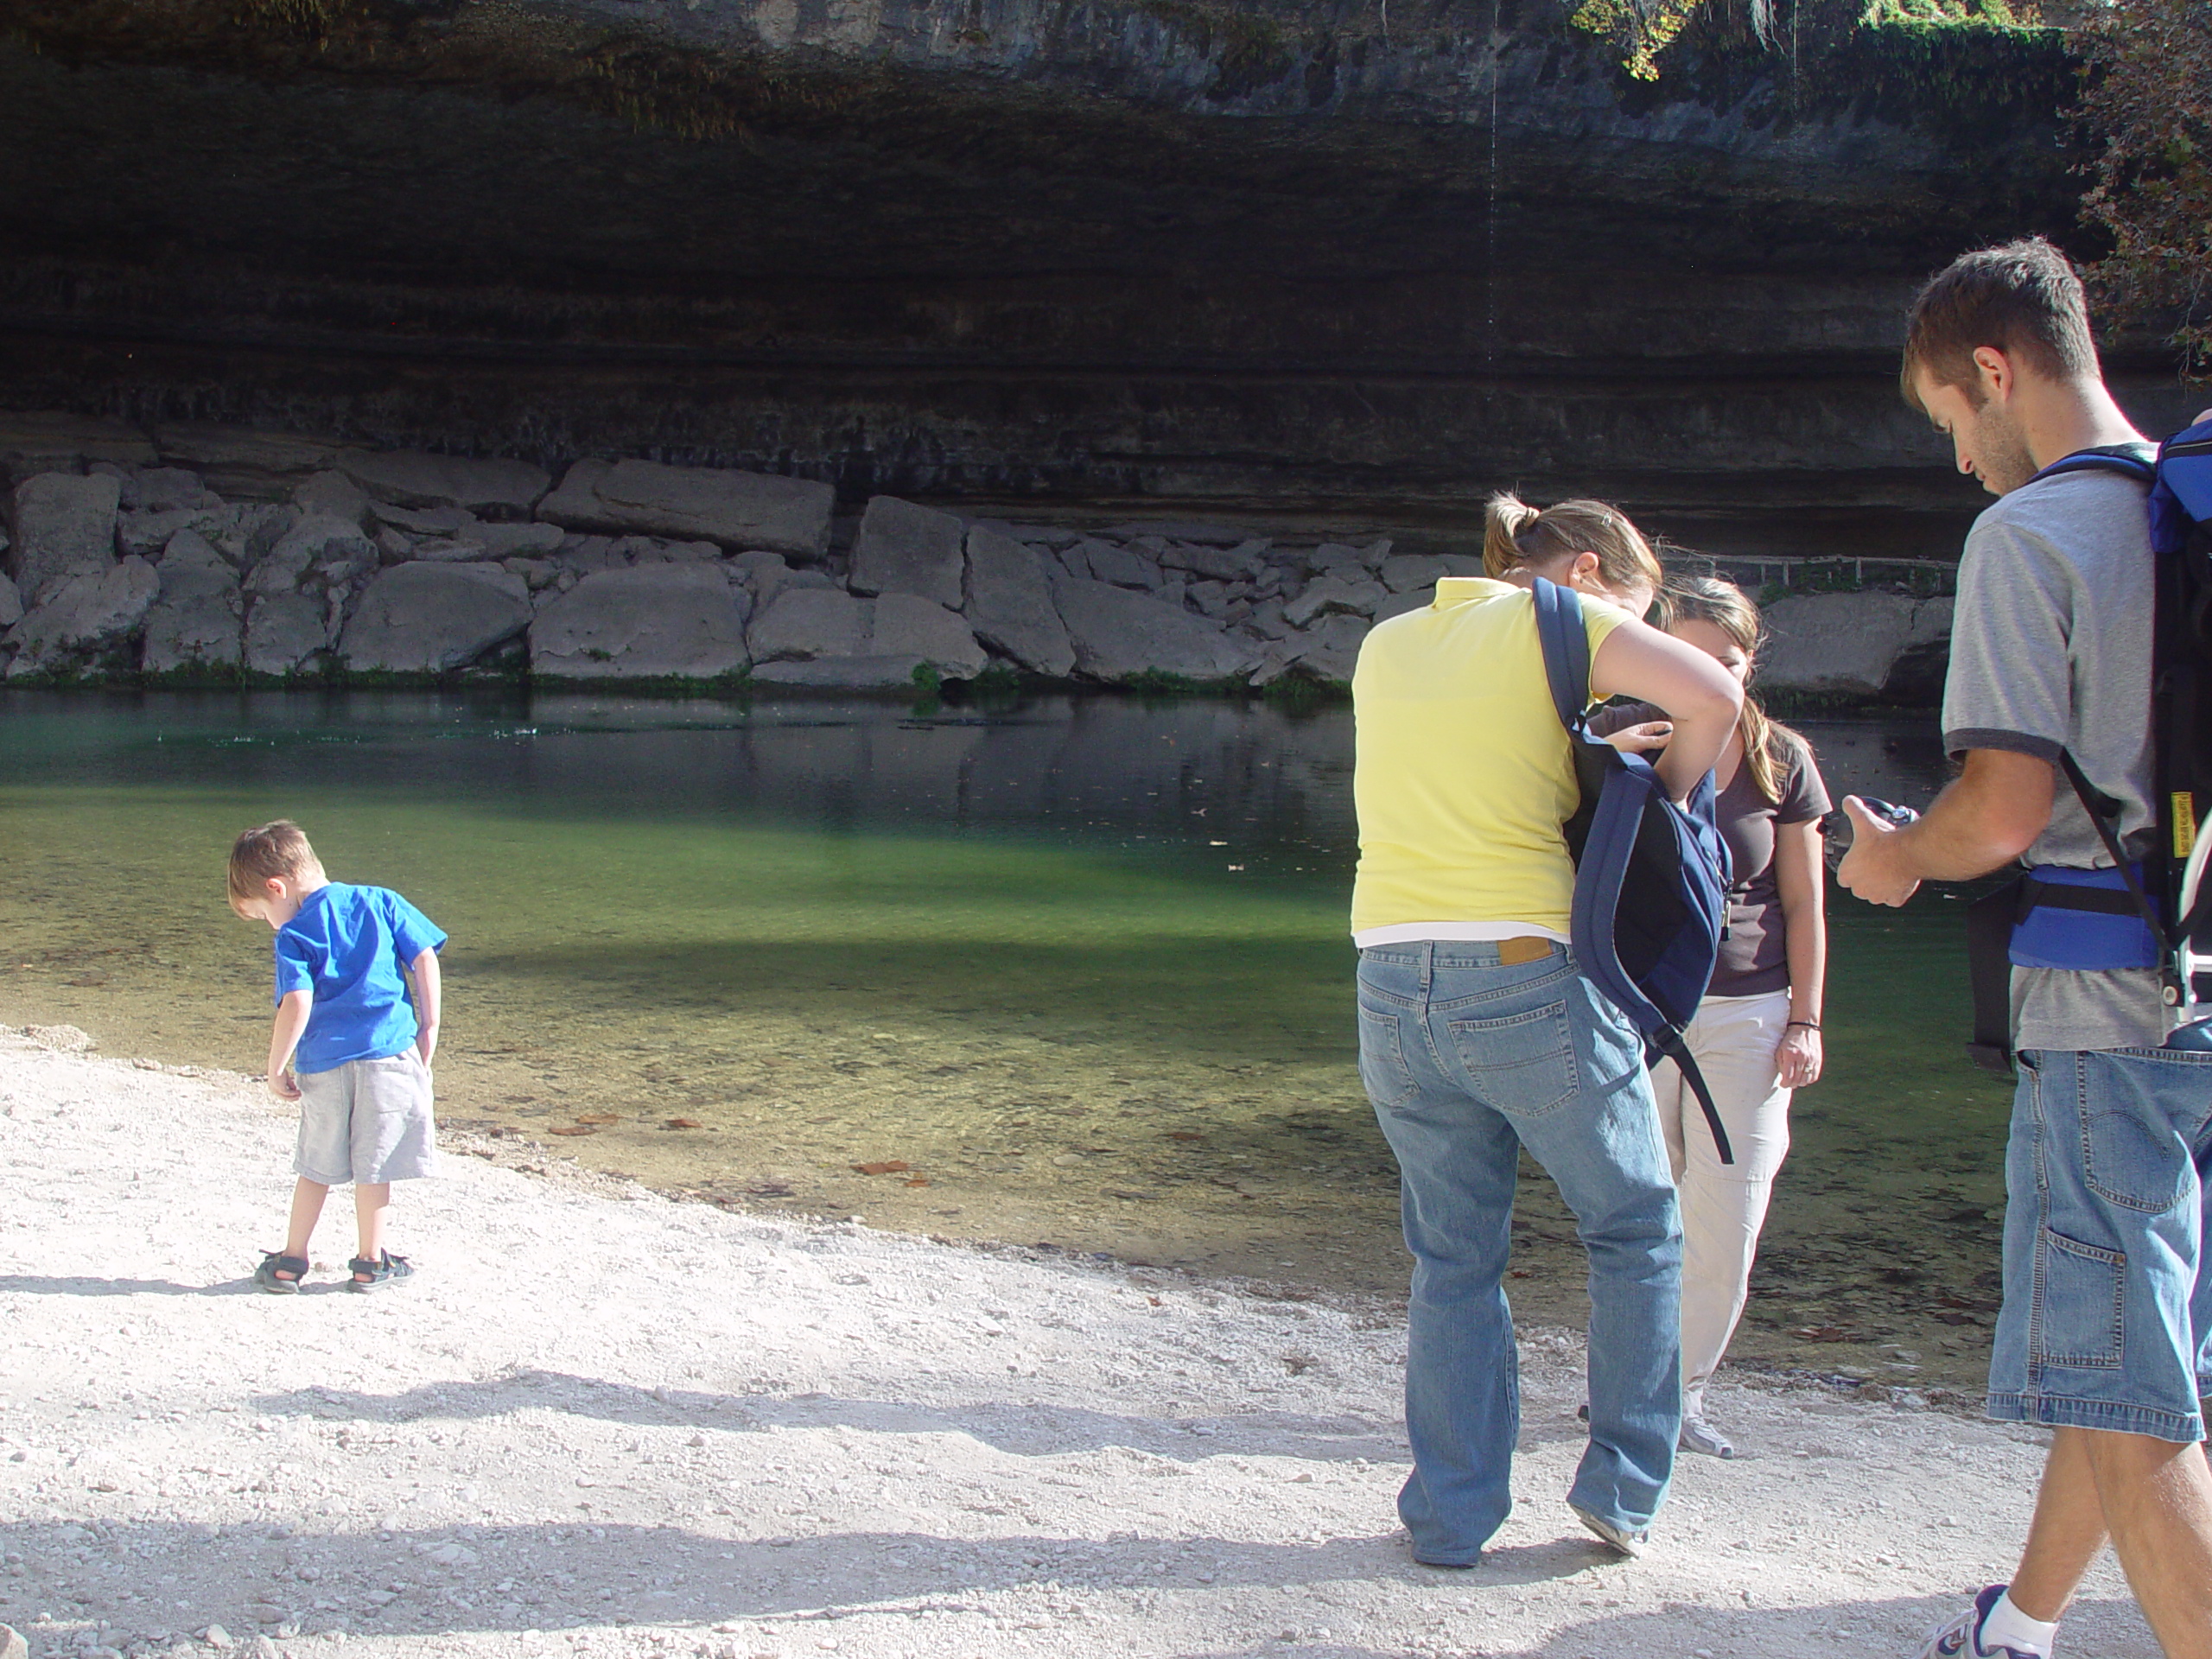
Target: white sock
(2006, 1626)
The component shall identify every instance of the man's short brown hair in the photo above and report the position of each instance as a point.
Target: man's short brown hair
(2024, 299)
(269, 850)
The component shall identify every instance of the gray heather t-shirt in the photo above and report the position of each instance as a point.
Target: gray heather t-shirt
(2050, 650)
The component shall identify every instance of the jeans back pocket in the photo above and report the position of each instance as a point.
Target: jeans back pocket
(1522, 1065)
(1383, 1069)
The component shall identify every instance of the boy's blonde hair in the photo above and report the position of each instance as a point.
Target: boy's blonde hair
(1515, 534)
(269, 851)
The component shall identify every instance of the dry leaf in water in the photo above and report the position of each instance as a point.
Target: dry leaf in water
(684, 1124)
(889, 1166)
(574, 1129)
(919, 1180)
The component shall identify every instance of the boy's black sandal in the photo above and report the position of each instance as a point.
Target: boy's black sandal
(389, 1269)
(276, 1263)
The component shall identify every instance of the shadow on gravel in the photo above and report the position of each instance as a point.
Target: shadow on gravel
(1029, 1429)
(37, 1285)
(489, 1579)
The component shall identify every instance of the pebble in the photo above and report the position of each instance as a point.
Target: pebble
(216, 1636)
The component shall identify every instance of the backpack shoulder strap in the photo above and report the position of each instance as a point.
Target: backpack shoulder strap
(1566, 640)
(2114, 459)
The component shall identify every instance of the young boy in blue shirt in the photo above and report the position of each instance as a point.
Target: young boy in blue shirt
(357, 1023)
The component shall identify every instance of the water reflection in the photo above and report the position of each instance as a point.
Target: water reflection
(1071, 970)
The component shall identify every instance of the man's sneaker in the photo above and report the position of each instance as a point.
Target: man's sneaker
(1961, 1638)
(1698, 1435)
(1633, 1544)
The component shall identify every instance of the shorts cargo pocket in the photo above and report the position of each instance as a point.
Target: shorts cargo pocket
(1522, 1064)
(2081, 1304)
(1383, 1069)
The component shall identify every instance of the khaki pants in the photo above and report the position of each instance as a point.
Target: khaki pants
(1733, 1039)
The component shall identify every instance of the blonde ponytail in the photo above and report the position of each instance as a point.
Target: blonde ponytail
(1515, 534)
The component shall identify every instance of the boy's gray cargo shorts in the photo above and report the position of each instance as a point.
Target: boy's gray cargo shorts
(367, 1121)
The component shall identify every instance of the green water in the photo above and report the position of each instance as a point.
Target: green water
(1077, 966)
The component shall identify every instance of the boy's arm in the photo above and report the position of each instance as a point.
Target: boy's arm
(428, 996)
(291, 1023)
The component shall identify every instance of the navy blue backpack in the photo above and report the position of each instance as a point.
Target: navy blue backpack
(1651, 879)
(2155, 912)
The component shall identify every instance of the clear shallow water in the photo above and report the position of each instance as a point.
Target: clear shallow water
(1078, 966)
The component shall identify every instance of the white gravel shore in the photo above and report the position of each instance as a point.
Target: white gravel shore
(602, 1423)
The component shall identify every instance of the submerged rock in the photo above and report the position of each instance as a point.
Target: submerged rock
(1118, 634)
(1010, 604)
(63, 526)
(432, 618)
(906, 548)
(731, 509)
(656, 620)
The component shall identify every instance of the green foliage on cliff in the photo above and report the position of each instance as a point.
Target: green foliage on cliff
(2148, 101)
(1643, 30)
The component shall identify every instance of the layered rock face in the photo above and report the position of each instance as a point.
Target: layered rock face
(418, 566)
(1358, 265)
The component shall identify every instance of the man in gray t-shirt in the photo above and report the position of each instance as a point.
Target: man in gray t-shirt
(2106, 1332)
(2051, 652)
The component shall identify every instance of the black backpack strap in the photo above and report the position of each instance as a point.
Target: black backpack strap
(1566, 641)
(1990, 921)
(2103, 809)
(1672, 1046)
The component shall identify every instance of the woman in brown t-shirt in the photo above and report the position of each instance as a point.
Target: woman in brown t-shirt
(1756, 1035)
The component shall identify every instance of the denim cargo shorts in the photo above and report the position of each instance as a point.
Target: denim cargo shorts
(367, 1121)
(2108, 1315)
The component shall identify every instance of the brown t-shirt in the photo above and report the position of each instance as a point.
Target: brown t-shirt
(1754, 958)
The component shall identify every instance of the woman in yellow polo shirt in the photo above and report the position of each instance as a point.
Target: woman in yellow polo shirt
(1478, 1035)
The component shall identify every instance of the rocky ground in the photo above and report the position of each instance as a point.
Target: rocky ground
(196, 553)
(600, 1423)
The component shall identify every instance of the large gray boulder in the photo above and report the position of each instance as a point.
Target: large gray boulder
(11, 603)
(1010, 604)
(1120, 566)
(195, 621)
(842, 673)
(1331, 651)
(90, 615)
(63, 526)
(318, 539)
(432, 618)
(731, 509)
(815, 624)
(1850, 644)
(1333, 595)
(1237, 563)
(649, 622)
(239, 461)
(801, 622)
(284, 632)
(904, 549)
(1118, 634)
(907, 624)
(410, 478)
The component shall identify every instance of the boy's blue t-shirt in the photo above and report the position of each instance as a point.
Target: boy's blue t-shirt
(352, 946)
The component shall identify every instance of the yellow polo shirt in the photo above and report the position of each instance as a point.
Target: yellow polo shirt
(1463, 775)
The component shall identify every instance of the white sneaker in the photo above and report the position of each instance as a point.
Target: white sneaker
(1698, 1435)
(1961, 1638)
(1631, 1544)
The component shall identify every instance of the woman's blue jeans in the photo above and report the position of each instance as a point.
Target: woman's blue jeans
(1467, 1061)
